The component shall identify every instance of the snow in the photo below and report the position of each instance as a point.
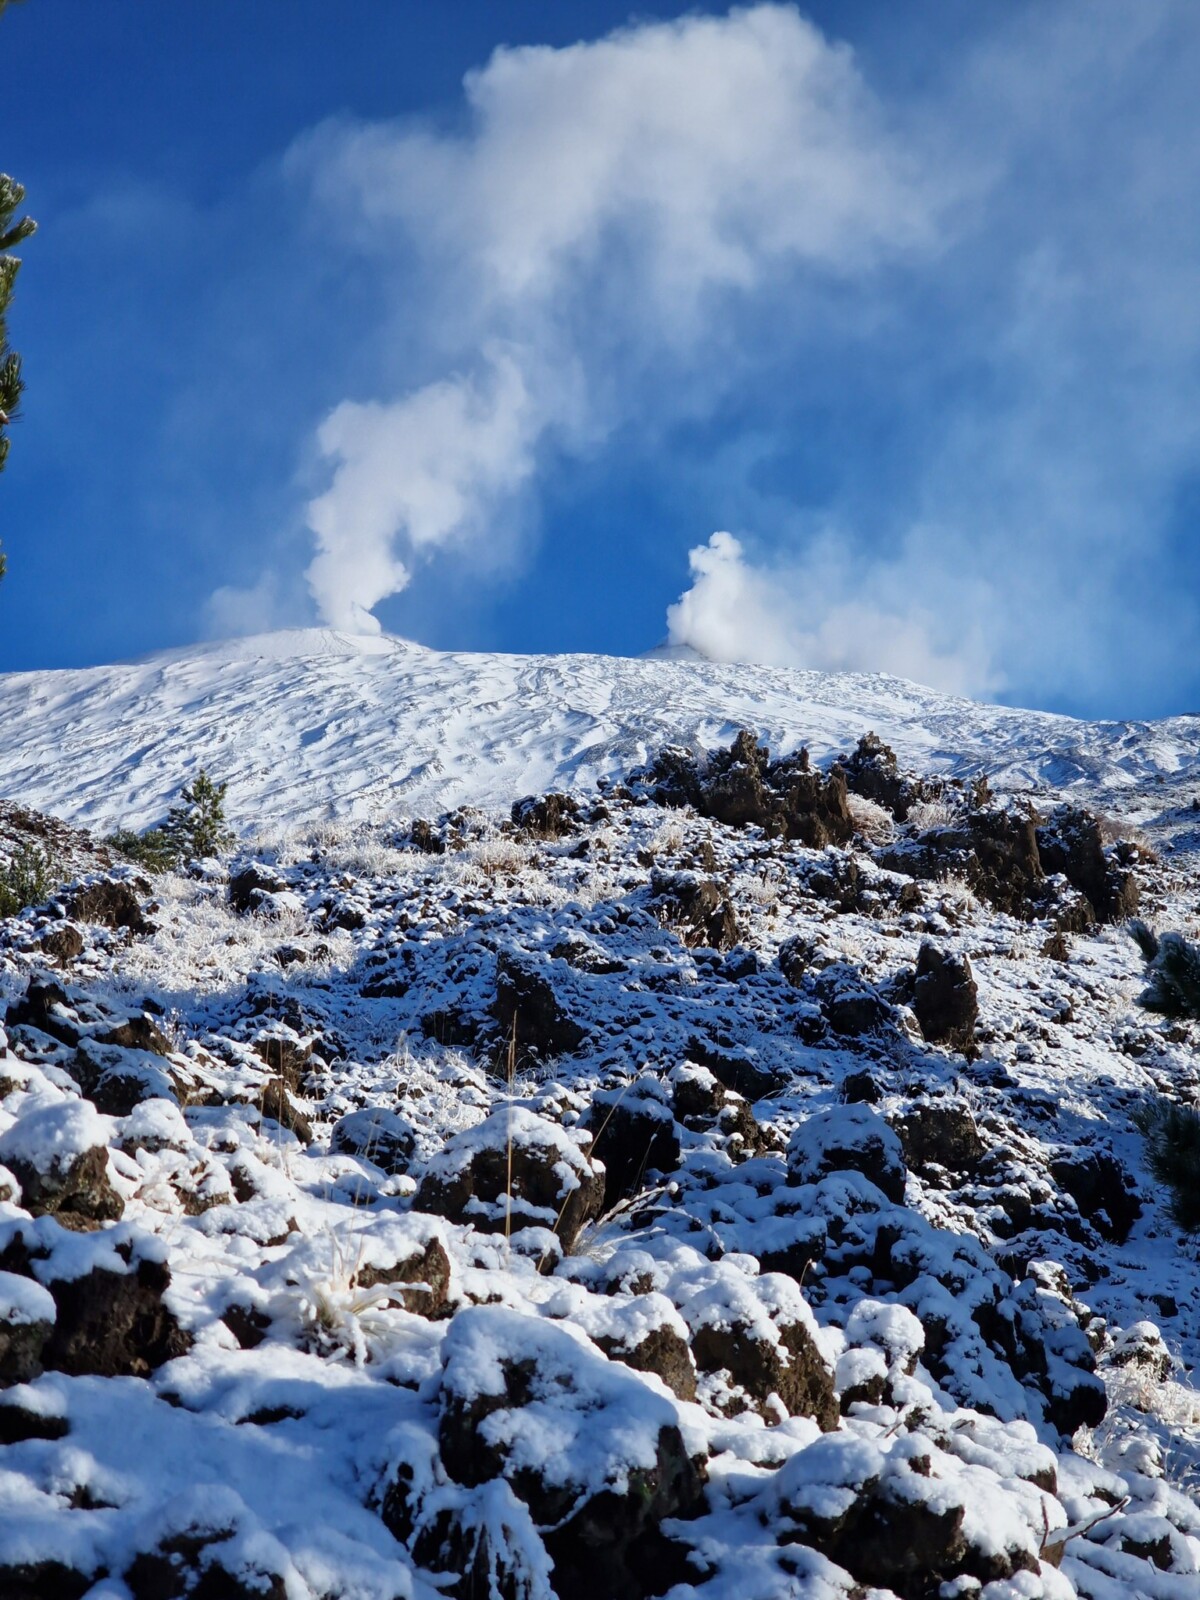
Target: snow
(23, 1302)
(49, 1136)
(309, 724)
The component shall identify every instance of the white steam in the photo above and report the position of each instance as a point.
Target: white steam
(824, 615)
(601, 199)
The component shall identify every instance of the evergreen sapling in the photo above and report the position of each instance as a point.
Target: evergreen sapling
(196, 826)
(1173, 968)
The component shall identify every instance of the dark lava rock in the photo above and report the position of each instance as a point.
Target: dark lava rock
(888, 1521)
(1071, 842)
(287, 1056)
(1102, 1189)
(526, 1002)
(201, 1559)
(851, 1138)
(276, 1103)
(633, 1133)
(116, 1079)
(860, 1089)
(743, 787)
(662, 1351)
(600, 1513)
(426, 838)
(795, 958)
(554, 1184)
(696, 905)
(735, 1069)
(249, 887)
(945, 998)
(793, 1368)
(421, 1280)
(849, 1003)
(451, 1026)
(109, 904)
(941, 1133)
(63, 943)
(19, 1422)
(136, 1033)
(873, 772)
(113, 1324)
(835, 877)
(377, 1135)
(546, 816)
(62, 1174)
(1008, 870)
(42, 1580)
(26, 1319)
(48, 1007)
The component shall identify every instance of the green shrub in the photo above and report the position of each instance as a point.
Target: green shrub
(28, 878)
(196, 826)
(1173, 968)
(1173, 1155)
(152, 849)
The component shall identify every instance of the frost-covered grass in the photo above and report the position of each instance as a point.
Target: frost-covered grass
(873, 821)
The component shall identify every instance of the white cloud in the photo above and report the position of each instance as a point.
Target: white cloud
(824, 615)
(598, 200)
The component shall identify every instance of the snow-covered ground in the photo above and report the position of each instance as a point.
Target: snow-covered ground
(308, 723)
(615, 1205)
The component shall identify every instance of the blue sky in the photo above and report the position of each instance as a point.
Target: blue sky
(852, 335)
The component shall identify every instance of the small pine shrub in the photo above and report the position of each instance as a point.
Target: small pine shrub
(152, 849)
(1173, 968)
(196, 826)
(1173, 1155)
(28, 878)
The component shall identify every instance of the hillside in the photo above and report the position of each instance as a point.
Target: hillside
(723, 1181)
(311, 724)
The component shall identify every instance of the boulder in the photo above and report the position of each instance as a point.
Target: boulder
(851, 1138)
(940, 1133)
(902, 1513)
(1102, 1189)
(850, 1004)
(27, 1314)
(63, 943)
(743, 787)
(633, 1133)
(760, 1332)
(58, 1153)
(696, 906)
(554, 1183)
(1071, 842)
(114, 1323)
(873, 772)
(945, 998)
(526, 1002)
(109, 903)
(546, 816)
(618, 1467)
(251, 887)
(116, 1079)
(377, 1135)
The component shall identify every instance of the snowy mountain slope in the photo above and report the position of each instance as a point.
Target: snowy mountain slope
(642, 1198)
(308, 723)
